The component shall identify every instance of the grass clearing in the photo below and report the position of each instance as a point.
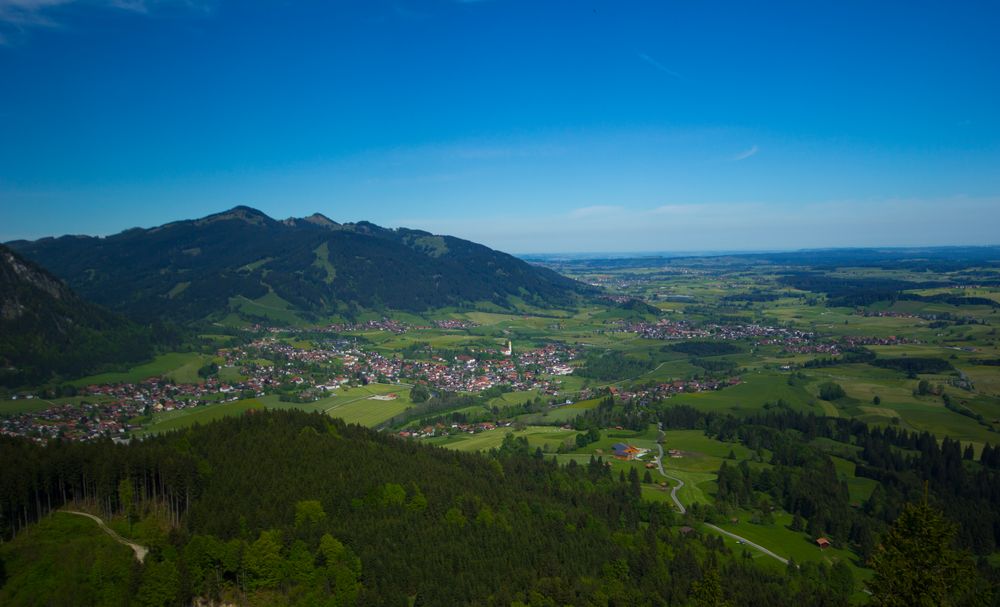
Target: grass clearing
(778, 538)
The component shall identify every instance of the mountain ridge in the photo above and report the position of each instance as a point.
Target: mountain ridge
(193, 269)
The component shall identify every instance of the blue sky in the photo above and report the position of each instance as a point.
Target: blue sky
(531, 126)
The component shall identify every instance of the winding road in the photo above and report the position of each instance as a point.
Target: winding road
(140, 551)
(683, 510)
(680, 483)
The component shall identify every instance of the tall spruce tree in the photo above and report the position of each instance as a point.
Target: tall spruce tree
(915, 564)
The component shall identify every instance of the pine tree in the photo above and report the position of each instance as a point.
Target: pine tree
(915, 564)
(707, 592)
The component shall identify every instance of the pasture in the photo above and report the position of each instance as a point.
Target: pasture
(354, 406)
(181, 367)
(780, 539)
(33, 405)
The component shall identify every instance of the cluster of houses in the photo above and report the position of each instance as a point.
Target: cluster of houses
(454, 324)
(866, 313)
(680, 329)
(441, 429)
(668, 389)
(645, 395)
(792, 341)
(662, 329)
(110, 410)
(89, 421)
(830, 349)
(529, 370)
(475, 372)
(268, 365)
(761, 334)
(835, 347)
(382, 324)
(852, 341)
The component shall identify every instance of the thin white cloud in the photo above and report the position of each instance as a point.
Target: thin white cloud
(656, 64)
(21, 14)
(677, 209)
(747, 153)
(18, 16)
(473, 150)
(597, 210)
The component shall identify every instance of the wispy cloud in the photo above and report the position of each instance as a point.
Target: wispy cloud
(656, 64)
(747, 153)
(19, 16)
(597, 210)
(677, 209)
(406, 13)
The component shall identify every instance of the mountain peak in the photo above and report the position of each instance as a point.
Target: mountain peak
(239, 213)
(321, 220)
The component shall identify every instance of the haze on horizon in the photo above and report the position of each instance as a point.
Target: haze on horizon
(528, 126)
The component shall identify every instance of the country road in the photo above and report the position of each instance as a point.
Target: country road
(747, 542)
(680, 483)
(683, 510)
(140, 551)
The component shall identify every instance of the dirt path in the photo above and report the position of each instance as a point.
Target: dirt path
(140, 551)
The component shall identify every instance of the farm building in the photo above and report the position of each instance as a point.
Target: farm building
(626, 452)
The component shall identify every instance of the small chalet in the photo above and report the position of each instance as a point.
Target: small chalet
(823, 543)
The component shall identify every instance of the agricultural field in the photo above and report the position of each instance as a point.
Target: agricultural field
(32, 405)
(355, 406)
(181, 367)
(362, 406)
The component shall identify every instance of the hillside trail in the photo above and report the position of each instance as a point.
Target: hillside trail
(140, 551)
(683, 510)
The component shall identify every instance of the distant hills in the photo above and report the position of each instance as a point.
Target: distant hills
(941, 259)
(46, 329)
(242, 261)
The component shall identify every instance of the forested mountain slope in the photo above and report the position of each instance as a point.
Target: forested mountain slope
(46, 329)
(189, 270)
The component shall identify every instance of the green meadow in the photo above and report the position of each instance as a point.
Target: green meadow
(354, 406)
(181, 367)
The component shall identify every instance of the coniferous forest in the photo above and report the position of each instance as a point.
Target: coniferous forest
(295, 508)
